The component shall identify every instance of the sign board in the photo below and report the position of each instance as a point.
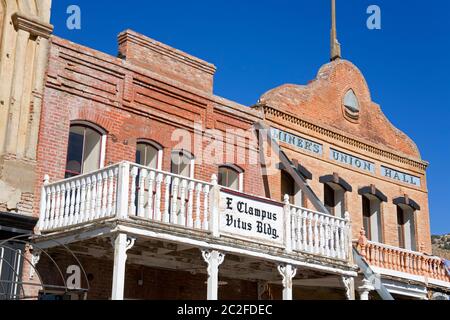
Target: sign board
(251, 218)
(352, 161)
(296, 141)
(400, 176)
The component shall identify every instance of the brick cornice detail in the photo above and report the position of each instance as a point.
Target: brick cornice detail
(422, 165)
(130, 36)
(32, 25)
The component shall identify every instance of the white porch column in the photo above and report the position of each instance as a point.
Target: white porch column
(365, 289)
(288, 273)
(214, 259)
(122, 243)
(349, 285)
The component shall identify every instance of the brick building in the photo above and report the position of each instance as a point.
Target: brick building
(160, 188)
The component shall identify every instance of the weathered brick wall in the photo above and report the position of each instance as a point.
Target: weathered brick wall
(134, 98)
(153, 55)
(319, 106)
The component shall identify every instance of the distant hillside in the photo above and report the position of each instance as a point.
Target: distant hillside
(441, 246)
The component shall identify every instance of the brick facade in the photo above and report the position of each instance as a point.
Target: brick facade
(152, 90)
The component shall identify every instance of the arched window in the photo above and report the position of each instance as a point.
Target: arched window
(406, 227)
(372, 200)
(231, 176)
(351, 105)
(334, 194)
(149, 154)
(182, 163)
(86, 149)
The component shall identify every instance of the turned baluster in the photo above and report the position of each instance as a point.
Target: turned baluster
(362, 243)
(159, 180)
(148, 213)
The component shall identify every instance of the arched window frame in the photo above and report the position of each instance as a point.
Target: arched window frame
(191, 158)
(103, 140)
(155, 145)
(240, 173)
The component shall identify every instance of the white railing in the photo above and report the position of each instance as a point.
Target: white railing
(79, 199)
(320, 234)
(131, 191)
(169, 198)
(125, 190)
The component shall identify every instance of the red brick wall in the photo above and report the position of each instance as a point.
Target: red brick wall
(146, 101)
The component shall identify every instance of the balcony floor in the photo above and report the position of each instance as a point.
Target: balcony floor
(150, 234)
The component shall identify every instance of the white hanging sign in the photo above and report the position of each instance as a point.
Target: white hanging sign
(251, 218)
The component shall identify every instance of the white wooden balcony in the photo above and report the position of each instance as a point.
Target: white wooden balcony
(128, 191)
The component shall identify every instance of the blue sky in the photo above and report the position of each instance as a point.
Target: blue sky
(258, 45)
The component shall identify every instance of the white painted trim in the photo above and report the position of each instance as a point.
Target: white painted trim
(160, 159)
(158, 147)
(405, 289)
(103, 151)
(241, 182)
(80, 235)
(409, 276)
(101, 131)
(224, 248)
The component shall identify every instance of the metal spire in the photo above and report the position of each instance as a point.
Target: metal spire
(335, 45)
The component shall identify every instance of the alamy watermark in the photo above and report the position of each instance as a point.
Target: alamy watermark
(374, 19)
(231, 146)
(73, 21)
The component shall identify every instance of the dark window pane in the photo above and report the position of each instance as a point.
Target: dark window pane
(400, 227)
(330, 202)
(366, 217)
(139, 159)
(75, 152)
(287, 187)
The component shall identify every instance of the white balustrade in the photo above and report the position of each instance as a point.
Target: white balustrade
(79, 199)
(168, 198)
(319, 234)
(131, 191)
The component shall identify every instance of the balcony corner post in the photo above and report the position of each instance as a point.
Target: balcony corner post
(43, 205)
(288, 272)
(123, 190)
(348, 223)
(215, 207)
(121, 243)
(349, 285)
(365, 289)
(287, 225)
(213, 259)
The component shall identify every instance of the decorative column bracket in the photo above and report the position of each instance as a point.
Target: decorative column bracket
(214, 259)
(35, 257)
(349, 285)
(121, 243)
(288, 272)
(130, 242)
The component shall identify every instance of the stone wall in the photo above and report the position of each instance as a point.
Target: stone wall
(24, 34)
